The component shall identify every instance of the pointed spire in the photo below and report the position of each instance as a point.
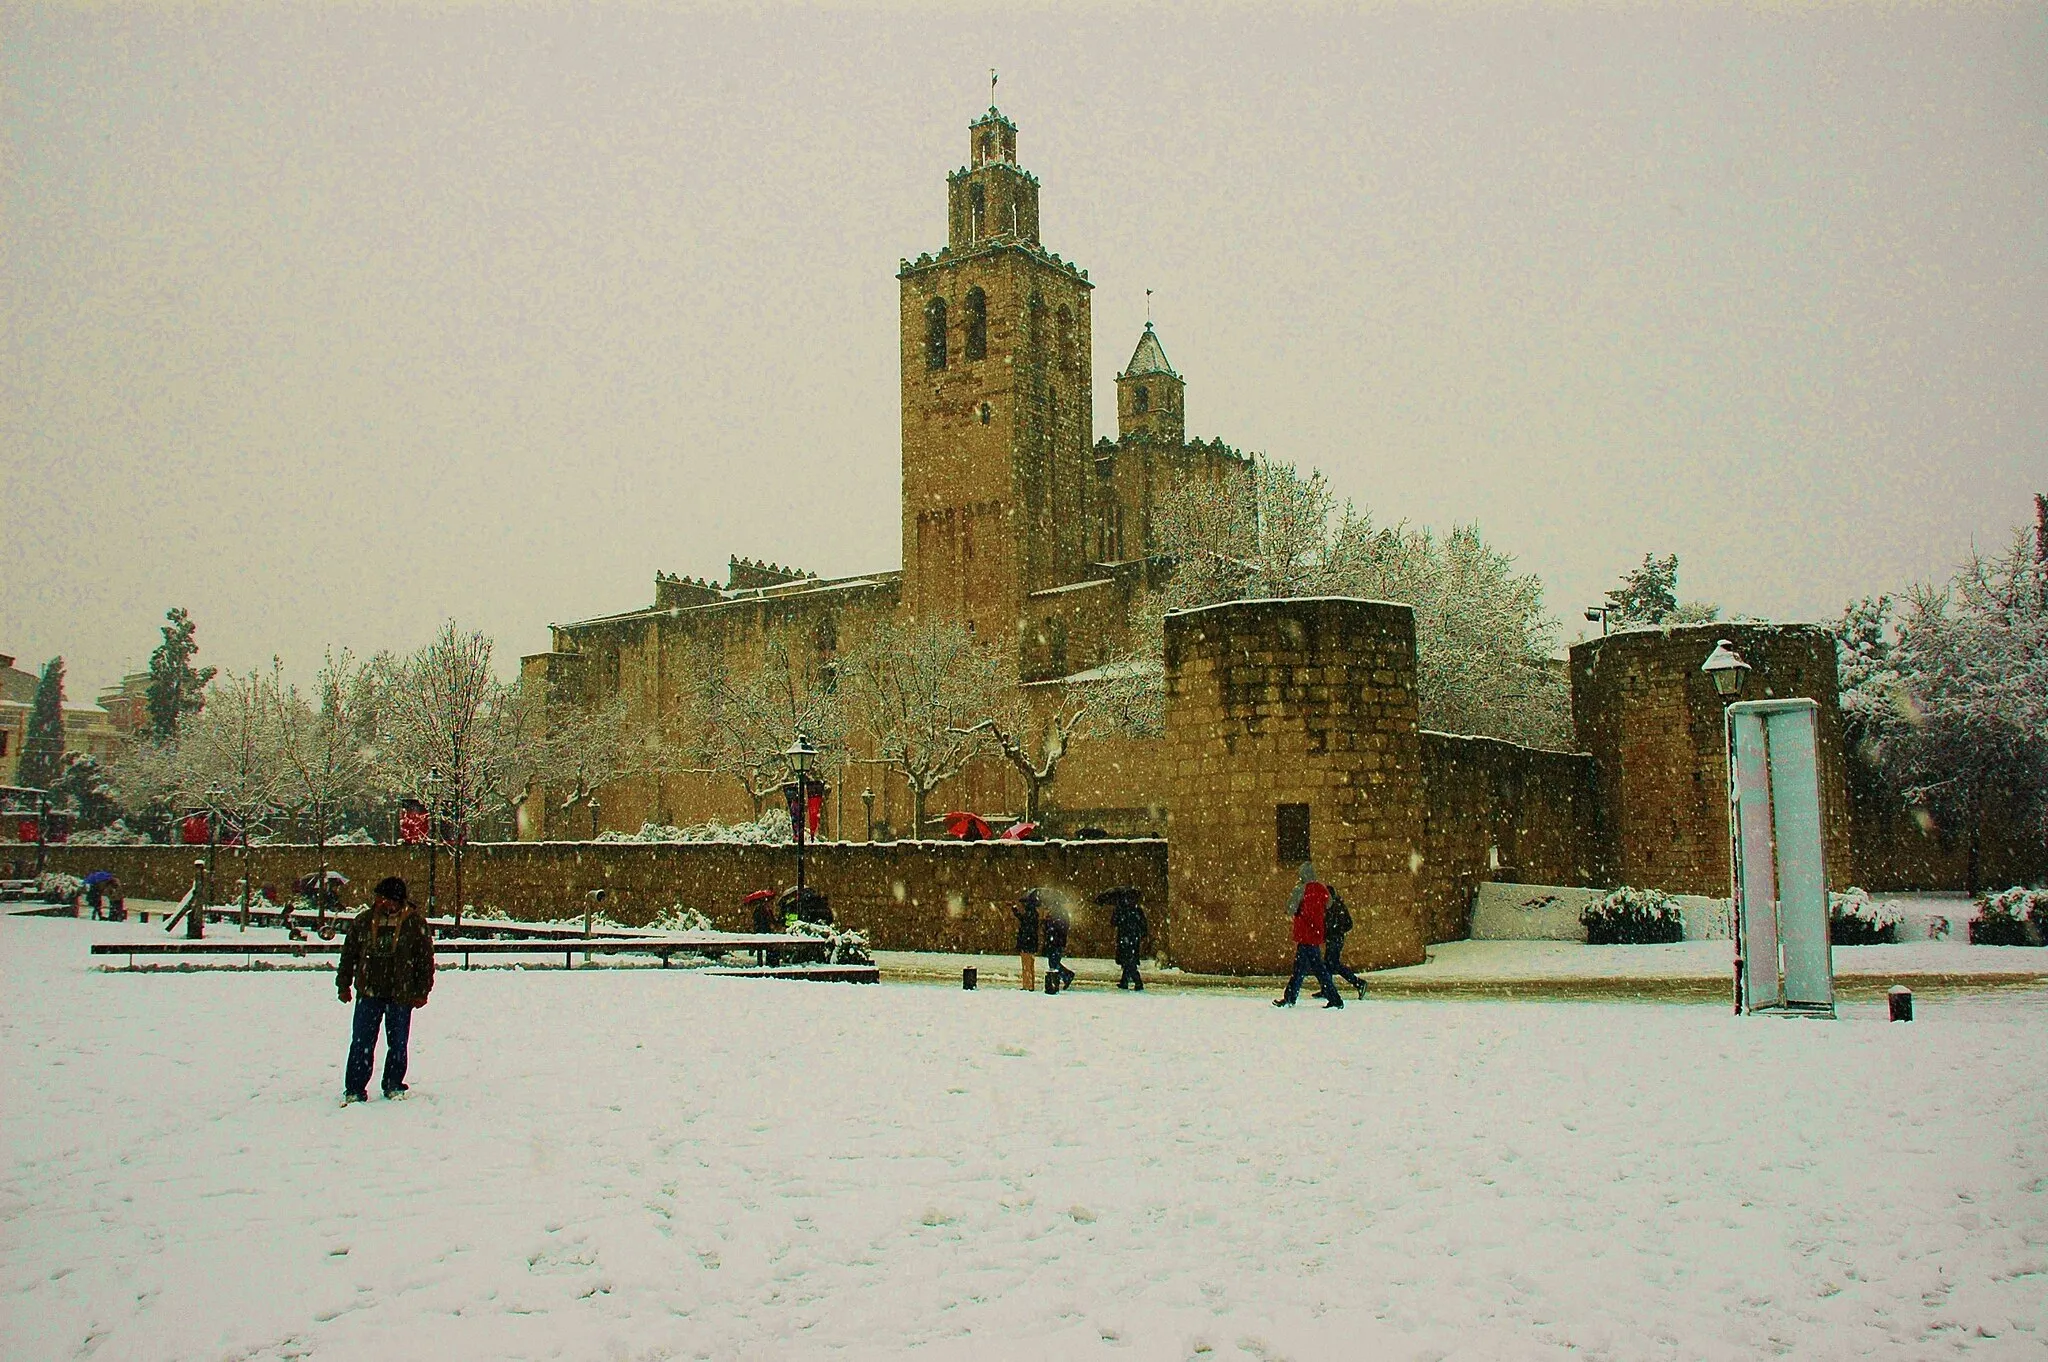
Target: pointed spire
(1149, 357)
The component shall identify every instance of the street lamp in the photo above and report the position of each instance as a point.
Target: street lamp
(215, 797)
(867, 799)
(1600, 613)
(433, 789)
(1727, 669)
(798, 793)
(594, 807)
(42, 833)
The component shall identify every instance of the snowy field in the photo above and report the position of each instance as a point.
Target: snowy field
(638, 1164)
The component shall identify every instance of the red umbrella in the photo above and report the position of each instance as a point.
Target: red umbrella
(1017, 832)
(968, 827)
(758, 896)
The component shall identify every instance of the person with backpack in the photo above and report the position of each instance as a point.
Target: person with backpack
(1026, 913)
(1311, 904)
(387, 970)
(1336, 926)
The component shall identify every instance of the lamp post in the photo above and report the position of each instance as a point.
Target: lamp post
(594, 807)
(196, 924)
(867, 799)
(433, 788)
(1727, 669)
(798, 793)
(42, 834)
(1600, 613)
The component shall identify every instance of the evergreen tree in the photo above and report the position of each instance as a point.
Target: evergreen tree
(42, 751)
(1647, 594)
(177, 689)
(83, 789)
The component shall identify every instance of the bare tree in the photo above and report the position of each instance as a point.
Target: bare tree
(450, 732)
(749, 716)
(1037, 726)
(226, 760)
(327, 746)
(921, 690)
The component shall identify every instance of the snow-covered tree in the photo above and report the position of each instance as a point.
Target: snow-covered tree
(450, 734)
(919, 689)
(1648, 595)
(748, 715)
(227, 758)
(84, 789)
(1946, 692)
(1034, 732)
(177, 689)
(42, 748)
(1483, 639)
(327, 743)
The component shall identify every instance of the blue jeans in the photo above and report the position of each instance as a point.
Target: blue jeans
(1309, 959)
(396, 1019)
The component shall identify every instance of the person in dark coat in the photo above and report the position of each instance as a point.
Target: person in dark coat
(1057, 975)
(1026, 913)
(1127, 922)
(1311, 903)
(1336, 925)
(387, 963)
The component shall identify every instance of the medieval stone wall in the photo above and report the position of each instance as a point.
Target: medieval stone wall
(1496, 811)
(910, 896)
(1291, 727)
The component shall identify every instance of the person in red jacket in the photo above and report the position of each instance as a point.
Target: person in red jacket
(1311, 901)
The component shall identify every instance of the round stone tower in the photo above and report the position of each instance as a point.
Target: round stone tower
(1653, 722)
(1291, 735)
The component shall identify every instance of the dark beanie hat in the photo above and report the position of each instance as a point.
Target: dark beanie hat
(391, 887)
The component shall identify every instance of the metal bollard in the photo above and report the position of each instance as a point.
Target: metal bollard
(968, 978)
(1901, 999)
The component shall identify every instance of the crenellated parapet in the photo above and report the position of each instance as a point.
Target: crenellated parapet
(746, 574)
(672, 592)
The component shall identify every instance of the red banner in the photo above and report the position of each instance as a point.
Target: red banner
(814, 810)
(193, 831)
(25, 830)
(413, 826)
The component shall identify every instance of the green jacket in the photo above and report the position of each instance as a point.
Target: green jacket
(390, 959)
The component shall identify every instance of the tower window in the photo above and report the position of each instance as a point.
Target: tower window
(935, 334)
(977, 204)
(985, 413)
(1290, 833)
(1063, 336)
(976, 310)
(1141, 400)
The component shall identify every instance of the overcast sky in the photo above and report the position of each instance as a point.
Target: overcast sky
(329, 323)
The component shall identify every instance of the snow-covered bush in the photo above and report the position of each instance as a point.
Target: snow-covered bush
(770, 829)
(1632, 917)
(114, 834)
(681, 919)
(1853, 920)
(54, 886)
(841, 945)
(354, 837)
(2011, 917)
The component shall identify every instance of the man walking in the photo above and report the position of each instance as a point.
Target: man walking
(1026, 913)
(1057, 975)
(1127, 922)
(1336, 925)
(387, 962)
(1311, 902)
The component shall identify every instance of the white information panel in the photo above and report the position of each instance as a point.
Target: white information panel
(1778, 858)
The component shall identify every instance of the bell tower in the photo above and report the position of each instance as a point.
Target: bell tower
(996, 402)
(1150, 396)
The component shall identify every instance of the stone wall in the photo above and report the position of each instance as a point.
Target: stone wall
(1495, 811)
(1654, 726)
(914, 896)
(1275, 710)
(1897, 850)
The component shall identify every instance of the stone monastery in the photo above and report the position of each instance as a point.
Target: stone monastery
(1017, 522)
(1291, 727)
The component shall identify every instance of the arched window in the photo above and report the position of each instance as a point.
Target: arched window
(987, 413)
(977, 205)
(935, 334)
(1141, 400)
(1063, 331)
(976, 322)
(1034, 325)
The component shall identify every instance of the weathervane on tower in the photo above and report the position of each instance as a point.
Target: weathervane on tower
(991, 87)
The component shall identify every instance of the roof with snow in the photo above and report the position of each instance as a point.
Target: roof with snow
(1149, 357)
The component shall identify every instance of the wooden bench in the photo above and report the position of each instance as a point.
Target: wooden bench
(706, 944)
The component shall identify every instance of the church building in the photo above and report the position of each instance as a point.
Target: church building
(1018, 524)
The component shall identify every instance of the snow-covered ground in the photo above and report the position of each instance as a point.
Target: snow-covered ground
(644, 1164)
